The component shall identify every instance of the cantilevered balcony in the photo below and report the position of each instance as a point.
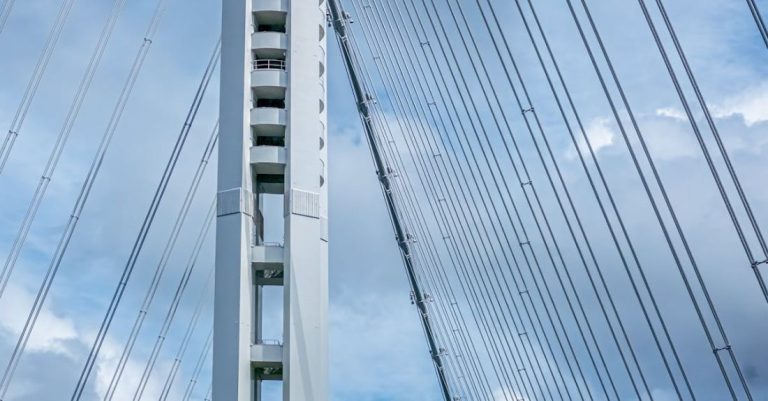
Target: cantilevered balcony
(268, 160)
(268, 121)
(263, 9)
(269, 44)
(267, 263)
(267, 357)
(267, 257)
(268, 78)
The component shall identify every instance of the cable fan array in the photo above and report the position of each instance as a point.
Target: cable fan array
(532, 307)
(69, 229)
(528, 273)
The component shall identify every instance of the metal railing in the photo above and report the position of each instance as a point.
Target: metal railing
(269, 64)
(269, 342)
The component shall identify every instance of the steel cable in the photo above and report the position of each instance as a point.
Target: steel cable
(726, 346)
(208, 393)
(522, 242)
(754, 262)
(163, 263)
(146, 224)
(188, 333)
(641, 175)
(5, 12)
(80, 203)
(60, 142)
(340, 22)
(404, 172)
(198, 368)
(530, 110)
(414, 217)
(527, 182)
(595, 161)
(34, 81)
(174, 306)
(486, 251)
(759, 21)
(432, 186)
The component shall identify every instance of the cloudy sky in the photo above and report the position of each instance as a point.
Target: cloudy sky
(377, 346)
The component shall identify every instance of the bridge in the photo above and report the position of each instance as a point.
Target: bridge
(384, 199)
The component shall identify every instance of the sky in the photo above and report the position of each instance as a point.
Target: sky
(377, 346)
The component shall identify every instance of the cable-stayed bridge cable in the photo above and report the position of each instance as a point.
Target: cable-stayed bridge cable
(499, 365)
(718, 180)
(173, 308)
(188, 334)
(476, 127)
(34, 80)
(759, 21)
(484, 252)
(339, 21)
(380, 58)
(763, 245)
(208, 393)
(488, 306)
(163, 263)
(146, 224)
(644, 181)
(190, 389)
(80, 203)
(588, 142)
(5, 12)
(526, 182)
(529, 110)
(59, 144)
(474, 372)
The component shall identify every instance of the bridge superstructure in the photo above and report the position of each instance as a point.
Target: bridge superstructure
(528, 283)
(272, 144)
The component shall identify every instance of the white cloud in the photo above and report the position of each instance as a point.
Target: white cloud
(671, 112)
(502, 394)
(129, 381)
(51, 332)
(600, 134)
(751, 105)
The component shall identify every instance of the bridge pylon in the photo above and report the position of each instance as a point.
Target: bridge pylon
(272, 144)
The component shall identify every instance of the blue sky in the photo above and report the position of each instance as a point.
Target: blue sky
(377, 347)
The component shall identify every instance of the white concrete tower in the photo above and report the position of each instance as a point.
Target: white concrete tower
(272, 143)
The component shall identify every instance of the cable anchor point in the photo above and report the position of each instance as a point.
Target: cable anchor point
(410, 238)
(369, 98)
(440, 352)
(427, 298)
(725, 348)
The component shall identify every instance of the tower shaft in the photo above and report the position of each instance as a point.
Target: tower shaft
(272, 145)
